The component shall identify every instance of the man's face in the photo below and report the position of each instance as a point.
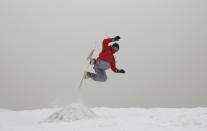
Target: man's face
(116, 49)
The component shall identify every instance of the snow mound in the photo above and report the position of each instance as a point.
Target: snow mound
(71, 113)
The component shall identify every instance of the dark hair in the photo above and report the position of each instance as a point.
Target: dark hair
(115, 45)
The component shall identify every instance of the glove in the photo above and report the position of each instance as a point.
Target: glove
(116, 38)
(120, 71)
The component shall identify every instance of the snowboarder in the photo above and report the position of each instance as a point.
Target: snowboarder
(105, 61)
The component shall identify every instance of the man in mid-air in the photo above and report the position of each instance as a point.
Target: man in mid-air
(105, 61)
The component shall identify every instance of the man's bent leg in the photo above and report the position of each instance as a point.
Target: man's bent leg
(100, 75)
(99, 67)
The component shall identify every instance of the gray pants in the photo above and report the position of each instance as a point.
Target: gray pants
(100, 68)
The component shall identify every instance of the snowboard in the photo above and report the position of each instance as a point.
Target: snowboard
(87, 64)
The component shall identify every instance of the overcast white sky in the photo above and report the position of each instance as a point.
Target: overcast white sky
(43, 45)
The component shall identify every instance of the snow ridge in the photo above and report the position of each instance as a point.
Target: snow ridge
(71, 113)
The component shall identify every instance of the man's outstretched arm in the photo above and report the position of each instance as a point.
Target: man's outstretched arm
(108, 40)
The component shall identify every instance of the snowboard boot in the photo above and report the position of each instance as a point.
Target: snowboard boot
(89, 75)
(93, 61)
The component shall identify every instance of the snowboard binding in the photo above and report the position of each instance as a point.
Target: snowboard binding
(93, 61)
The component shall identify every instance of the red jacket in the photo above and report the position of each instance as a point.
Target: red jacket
(107, 54)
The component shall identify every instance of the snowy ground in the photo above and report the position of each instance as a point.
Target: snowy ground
(107, 119)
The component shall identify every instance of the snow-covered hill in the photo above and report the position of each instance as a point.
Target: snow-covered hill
(73, 118)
